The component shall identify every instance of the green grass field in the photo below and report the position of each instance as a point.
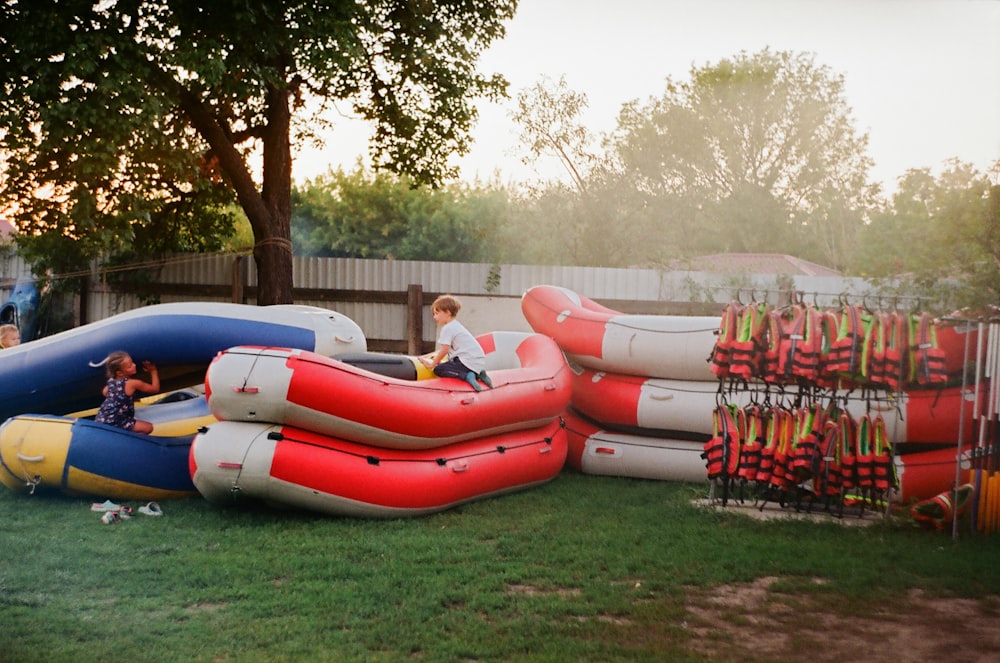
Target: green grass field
(581, 569)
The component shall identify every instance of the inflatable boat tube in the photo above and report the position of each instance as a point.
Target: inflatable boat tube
(56, 374)
(593, 450)
(531, 387)
(235, 461)
(81, 457)
(403, 367)
(683, 407)
(662, 346)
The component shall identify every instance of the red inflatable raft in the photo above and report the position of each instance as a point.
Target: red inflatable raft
(628, 401)
(531, 387)
(664, 346)
(232, 461)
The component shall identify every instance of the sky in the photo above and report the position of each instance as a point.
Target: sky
(921, 77)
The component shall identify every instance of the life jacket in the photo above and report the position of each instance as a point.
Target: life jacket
(845, 349)
(826, 469)
(847, 458)
(883, 469)
(940, 510)
(772, 426)
(927, 360)
(782, 476)
(794, 344)
(747, 350)
(752, 444)
(722, 452)
(808, 434)
(885, 358)
(865, 458)
(726, 335)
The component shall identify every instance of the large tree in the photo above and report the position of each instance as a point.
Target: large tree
(115, 112)
(941, 236)
(755, 153)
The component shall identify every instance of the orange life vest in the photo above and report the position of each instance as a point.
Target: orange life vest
(747, 350)
(720, 357)
(794, 344)
(751, 444)
(846, 450)
(782, 476)
(885, 355)
(722, 452)
(808, 434)
(927, 360)
(883, 469)
(826, 472)
(864, 469)
(846, 347)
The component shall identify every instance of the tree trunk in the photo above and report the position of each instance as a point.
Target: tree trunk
(273, 250)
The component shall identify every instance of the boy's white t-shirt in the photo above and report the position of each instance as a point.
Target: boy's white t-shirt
(463, 344)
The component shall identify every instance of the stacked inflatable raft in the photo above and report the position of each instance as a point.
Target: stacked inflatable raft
(348, 437)
(647, 398)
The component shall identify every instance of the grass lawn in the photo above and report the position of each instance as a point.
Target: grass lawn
(581, 569)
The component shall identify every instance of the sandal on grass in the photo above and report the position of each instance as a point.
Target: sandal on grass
(106, 505)
(151, 509)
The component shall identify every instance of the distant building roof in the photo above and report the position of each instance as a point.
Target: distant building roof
(753, 263)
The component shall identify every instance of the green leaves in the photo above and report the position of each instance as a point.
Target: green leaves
(125, 101)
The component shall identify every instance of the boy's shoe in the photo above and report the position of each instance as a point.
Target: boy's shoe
(470, 377)
(485, 379)
(106, 505)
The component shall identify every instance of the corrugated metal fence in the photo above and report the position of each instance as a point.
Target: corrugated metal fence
(378, 294)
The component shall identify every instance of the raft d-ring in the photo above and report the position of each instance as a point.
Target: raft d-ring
(460, 466)
(246, 390)
(662, 397)
(30, 459)
(343, 339)
(468, 401)
(562, 315)
(544, 449)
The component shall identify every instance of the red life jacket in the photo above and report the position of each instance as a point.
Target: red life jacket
(883, 469)
(927, 360)
(751, 444)
(720, 357)
(794, 344)
(846, 348)
(826, 471)
(782, 476)
(885, 356)
(847, 458)
(722, 452)
(864, 469)
(808, 434)
(772, 426)
(747, 350)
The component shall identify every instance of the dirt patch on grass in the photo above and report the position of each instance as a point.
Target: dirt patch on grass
(754, 622)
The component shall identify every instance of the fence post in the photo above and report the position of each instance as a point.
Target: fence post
(239, 280)
(414, 319)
